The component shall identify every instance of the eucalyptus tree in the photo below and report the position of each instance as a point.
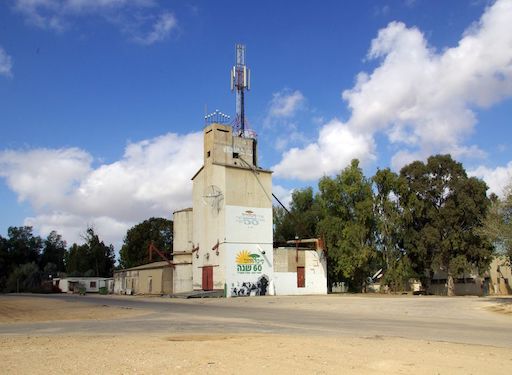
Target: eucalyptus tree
(301, 220)
(443, 211)
(390, 229)
(348, 225)
(498, 223)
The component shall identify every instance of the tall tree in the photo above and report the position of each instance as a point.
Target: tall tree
(443, 211)
(348, 225)
(301, 220)
(23, 246)
(390, 229)
(134, 251)
(54, 251)
(498, 223)
(93, 258)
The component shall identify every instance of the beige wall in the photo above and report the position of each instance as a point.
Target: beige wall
(208, 225)
(249, 189)
(182, 230)
(137, 281)
(220, 147)
(285, 259)
(501, 276)
(496, 282)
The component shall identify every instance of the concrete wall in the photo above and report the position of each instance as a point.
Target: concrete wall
(126, 282)
(497, 280)
(182, 278)
(157, 280)
(182, 230)
(471, 288)
(208, 227)
(500, 275)
(183, 244)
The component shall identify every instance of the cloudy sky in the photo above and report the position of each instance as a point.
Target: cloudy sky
(102, 101)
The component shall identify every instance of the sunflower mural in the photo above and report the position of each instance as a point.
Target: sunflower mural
(244, 257)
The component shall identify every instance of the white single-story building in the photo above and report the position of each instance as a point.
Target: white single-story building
(91, 284)
(301, 269)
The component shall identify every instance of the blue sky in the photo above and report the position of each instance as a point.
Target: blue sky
(102, 101)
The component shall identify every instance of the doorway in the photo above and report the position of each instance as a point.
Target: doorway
(207, 282)
(301, 277)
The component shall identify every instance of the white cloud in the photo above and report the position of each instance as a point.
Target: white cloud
(281, 118)
(420, 98)
(336, 146)
(497, 179)
(162, 27)
(133, 17)
(286, 103)
(283, 194)
(67, 193)
(5, 63)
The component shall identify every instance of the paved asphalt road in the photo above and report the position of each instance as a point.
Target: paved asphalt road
(460, 319)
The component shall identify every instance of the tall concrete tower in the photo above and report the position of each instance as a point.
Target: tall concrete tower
(232, 215)
(232, 211)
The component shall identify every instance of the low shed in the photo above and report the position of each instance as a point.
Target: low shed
(300, 269)
(152, 278)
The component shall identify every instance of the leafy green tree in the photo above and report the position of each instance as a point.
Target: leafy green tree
(390, 230)
(283, 226)
(134, 251)
(23, 246)
(77, 260)
(443, 210)
(54, 251)
(301, 220)
(498, 224)
(93, 258)
(348, 226)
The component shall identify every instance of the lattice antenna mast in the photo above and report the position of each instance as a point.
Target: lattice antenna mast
(240, 81)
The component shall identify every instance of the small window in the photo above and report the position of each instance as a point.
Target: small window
(92, 284)
(235, 155)
(208, 154)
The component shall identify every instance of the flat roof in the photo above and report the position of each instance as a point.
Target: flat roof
(161, 264)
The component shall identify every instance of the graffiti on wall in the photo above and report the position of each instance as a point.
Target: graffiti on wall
(248, 288)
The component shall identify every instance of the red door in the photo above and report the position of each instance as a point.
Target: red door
(207, 278)
(301, 277)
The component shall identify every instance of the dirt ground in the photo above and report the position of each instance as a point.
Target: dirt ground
(246, 353)
(39, 310)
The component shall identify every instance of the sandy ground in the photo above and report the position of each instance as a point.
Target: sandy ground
(95, 353)
(41, 310)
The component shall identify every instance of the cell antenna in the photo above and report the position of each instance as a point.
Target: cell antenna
(240, 81)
